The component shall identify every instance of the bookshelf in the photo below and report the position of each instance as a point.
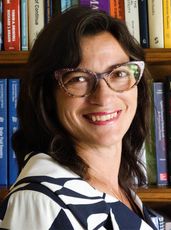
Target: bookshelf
(159, 63)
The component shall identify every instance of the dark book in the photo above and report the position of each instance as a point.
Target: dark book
(143, 19)
(168, 122)
(160, 133)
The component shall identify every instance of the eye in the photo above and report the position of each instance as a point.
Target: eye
(77, 79)
(120, 74)
(74, 77)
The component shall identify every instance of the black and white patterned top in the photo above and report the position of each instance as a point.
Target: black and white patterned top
(50, 196)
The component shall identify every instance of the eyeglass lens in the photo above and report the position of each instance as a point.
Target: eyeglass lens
(82, 83)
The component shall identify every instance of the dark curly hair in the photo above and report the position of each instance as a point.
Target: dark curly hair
(58, 46)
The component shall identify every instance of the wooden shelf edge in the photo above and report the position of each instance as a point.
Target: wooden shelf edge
(157, 55)
(155, 194)
(11, 57)
(20, 57)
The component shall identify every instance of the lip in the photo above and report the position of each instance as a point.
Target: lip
(103, 118)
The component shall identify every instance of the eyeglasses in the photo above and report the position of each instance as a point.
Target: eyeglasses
(80, 82)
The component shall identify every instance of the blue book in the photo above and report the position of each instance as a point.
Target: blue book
(65, 4)
(24, 25)
(13, 92)
(143, 19)
(3, 132)
(160, 133)
(1, 26)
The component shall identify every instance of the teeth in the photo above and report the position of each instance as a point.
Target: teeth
(104, 117)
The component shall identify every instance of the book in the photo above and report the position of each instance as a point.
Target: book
(13, 92)
(155, 20)
(36, 15)
(168, 122)
(99, 4)
(11, 25)
(74, 2)
(160, 133)
(167, 23)
(117, 9)
(132, 18)
(143, 20)
(56, 7)
(48, 10)
(65, 4)
(157, 219)
(24, 25)
(1, 26)
(3, 133)
(150, 154)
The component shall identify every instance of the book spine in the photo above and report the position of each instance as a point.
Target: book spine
(132, 18)
(151, 164)
(56, 7)
(97, 4)
(143, 19)
(168, 122)
(1, 25)
(160, 133)
(48, 10)
(155, 20)
(3, 132)
(13, 91)
(167, 23)
(24, 25)
(65, 4)
(74, 2)
(36, 19)
(117, 9)
(12, 25)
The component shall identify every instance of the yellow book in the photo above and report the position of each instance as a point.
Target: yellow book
(167, 23)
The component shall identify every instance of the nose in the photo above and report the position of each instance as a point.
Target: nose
(102, 94)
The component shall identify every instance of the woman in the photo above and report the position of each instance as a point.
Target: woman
(83, 113)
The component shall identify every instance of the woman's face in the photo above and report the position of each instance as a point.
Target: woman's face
(103, 118)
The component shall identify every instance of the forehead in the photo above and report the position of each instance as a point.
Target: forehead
(102, 48)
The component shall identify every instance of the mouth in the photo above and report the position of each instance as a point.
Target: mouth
(102, 117)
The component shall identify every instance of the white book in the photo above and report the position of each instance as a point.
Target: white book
(155, 20)
(36, 15)
(132, 18)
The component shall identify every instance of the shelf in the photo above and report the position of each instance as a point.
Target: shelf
(155, 194)
(13, 57)
(158, 55)
(21, 57)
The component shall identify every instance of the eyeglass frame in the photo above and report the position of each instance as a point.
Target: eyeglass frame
(97, 76)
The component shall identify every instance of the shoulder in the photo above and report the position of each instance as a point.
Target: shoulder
(28, 208)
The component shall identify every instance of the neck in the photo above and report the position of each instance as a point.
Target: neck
(104, 163)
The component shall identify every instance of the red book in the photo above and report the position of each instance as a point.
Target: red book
(11, 25)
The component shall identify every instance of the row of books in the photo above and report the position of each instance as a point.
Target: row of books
(9, 90)
(157, 151)
(21, 20)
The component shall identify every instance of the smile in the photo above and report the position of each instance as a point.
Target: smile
(102, 117)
